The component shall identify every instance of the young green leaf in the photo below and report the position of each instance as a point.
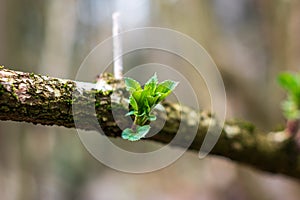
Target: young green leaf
(127, 134)
(163, 96)
(141, 131)
(152, 100)
(150, 86)
(132, 85)
(137, 96)
(166, 86)
(291, 83)
(143, 101)
(133, 103)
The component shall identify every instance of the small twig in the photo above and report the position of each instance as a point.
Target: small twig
(117, 47)
(117, 54)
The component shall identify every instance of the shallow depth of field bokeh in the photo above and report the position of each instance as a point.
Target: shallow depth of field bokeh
(251, 41)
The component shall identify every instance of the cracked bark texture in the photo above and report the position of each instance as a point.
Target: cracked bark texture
(27, 97)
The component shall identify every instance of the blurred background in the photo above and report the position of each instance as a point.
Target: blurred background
(251, 41)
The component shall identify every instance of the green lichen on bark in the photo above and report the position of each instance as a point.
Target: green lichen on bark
(51, 101)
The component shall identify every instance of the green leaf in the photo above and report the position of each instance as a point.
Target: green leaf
(290, 82)
(142, 102)
(143, 130)
(137, 95)
(166, 86)
(163, 96)
(157, 99)
(150, 86)
(133, 103)
(129, 134)
(132, 85)
(152, 100)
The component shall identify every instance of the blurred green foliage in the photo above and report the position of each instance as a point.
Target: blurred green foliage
(291, 105)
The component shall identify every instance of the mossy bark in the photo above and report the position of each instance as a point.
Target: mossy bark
(27, 97)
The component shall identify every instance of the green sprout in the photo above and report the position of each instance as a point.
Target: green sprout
(142, 102)
(291, 83)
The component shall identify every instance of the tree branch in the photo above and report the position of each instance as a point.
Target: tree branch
(27, 97)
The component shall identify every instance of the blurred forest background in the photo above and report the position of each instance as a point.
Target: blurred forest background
(250, 41)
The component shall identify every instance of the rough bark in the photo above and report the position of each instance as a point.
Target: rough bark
(27, 97)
